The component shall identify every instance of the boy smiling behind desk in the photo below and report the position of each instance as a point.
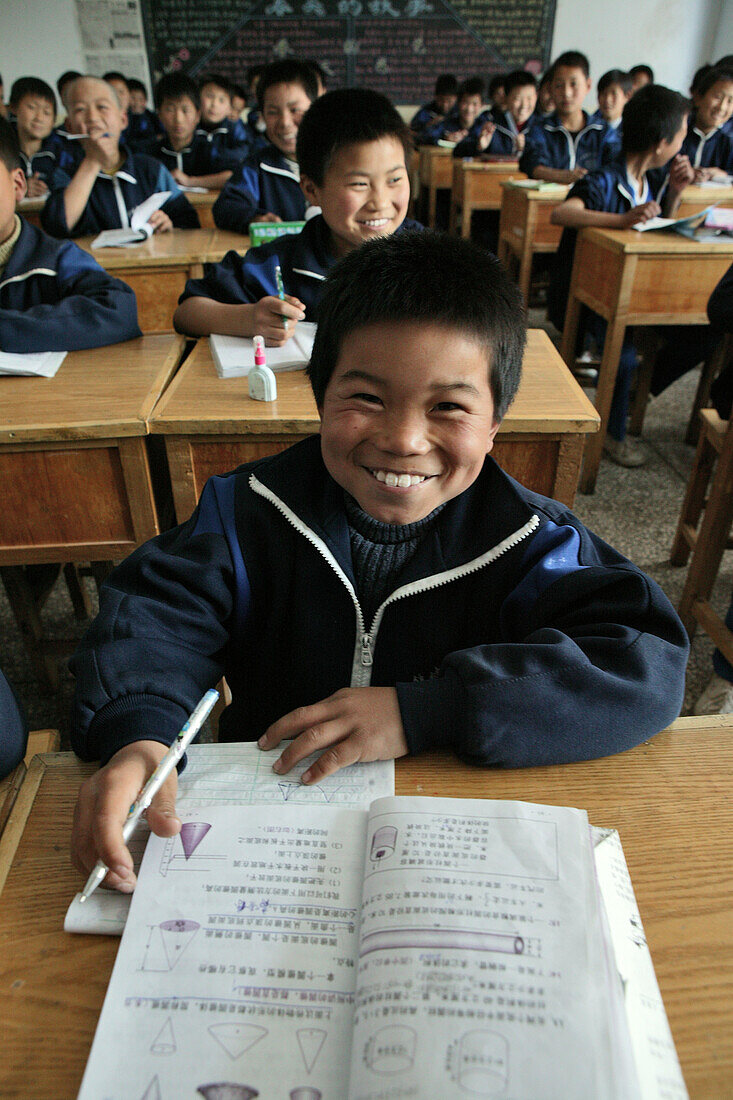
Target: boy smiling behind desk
(352, 150)
(383, 588)
(109, 182)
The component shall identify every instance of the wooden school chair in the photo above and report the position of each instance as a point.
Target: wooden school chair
(704, 528)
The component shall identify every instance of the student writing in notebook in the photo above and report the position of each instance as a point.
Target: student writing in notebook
(352, 150)
(53, 295)
(382, 588)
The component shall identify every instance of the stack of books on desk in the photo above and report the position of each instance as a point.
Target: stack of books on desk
(234, 356)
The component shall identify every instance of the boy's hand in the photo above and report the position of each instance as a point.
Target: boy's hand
(576, 174)
(354, 725)
(268, 318)
(456, 135)
(485, 136)
(160, 222)
(520, 140)
(681, 174)
(641, 213)
(102, 807)
(36, 187)
(100, 149)
(267, 218)
(180, 176)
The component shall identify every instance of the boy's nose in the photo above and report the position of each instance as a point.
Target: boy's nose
(404, 435)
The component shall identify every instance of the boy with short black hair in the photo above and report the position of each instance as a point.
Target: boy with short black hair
(184, 148)
(227, 138)
(110, 181)
(434, 112)
(382, 588)
(53, 295)
(239, 103)
(320, 74)
(497, 91)
(502, 132)
(708, 144)
(641, 75)
(614, 92)
(352, 150)
(563, 147)
(42, 152)
(266, 187)
(63, 83)
(143, 125)
(618, 197)
(457, 123)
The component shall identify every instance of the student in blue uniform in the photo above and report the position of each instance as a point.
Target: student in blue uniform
(502, 131)
(184, 148)
(143, 125)
(381, 588)
(53, 296)
(266, 187)
(352, 150)
(227, 137)
(565, 146)
(614, 92)
(43, 153)
(109, 182)
(121, 86)
(13, 729)
(458, 122)
(434, 112)
(708, 145)
(63, 84)
(641, 75)
(618, 197)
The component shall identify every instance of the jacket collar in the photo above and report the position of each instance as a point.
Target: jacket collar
(34, 253)
(554, 125)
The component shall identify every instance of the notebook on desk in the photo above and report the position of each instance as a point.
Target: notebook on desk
(41, 364)
(234, 356)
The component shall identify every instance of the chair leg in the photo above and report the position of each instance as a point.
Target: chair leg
(710, 370)
(694, 501)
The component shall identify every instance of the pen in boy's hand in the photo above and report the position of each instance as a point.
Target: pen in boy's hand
(186, 735)
(280, 291)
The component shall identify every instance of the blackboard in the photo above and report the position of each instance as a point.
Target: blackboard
(395, 46)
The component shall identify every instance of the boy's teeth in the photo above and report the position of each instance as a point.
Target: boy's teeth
(403, 481)
(376, 223)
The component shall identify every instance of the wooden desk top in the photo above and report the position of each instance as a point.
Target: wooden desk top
(222, 241)
(199, 402)
(469, 164)
(97, 394)
(535, 194)
(628, 241)
(707, 195)
(669, 799)
(175, 249)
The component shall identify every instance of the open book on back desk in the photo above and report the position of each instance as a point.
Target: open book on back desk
(422, 948)
(139, 228)
(234, 356)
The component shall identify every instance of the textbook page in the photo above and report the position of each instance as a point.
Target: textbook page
(41, 364)
(139, 229)
(236, 968)
(234, 356)
(236, 774)
(483, 968)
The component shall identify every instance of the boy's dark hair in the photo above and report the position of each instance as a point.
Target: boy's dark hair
(237, 89)
(114, 74)
(707, 80)
(346, 116)
(615, 76)
(66, 78)
(725, 62)
(642, 70)
(319, 71)
(446, 84)
(473, 86)
(31, 85)
(497, 81)
(287, 72)
(654, 114)
(9, 148)
(699, 74)
(571, 59)
(426, 278)
(518, 78)
(176, 86)
(136, 85)
(218, 81)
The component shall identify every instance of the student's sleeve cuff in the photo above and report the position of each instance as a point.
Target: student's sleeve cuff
(430, 710)
(135, 718)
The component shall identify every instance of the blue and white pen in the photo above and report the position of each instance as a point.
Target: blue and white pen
(280, 291)
(186, 735)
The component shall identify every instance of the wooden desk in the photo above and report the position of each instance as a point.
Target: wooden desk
(30, 209)
(633, 278)
(477, 185)
(695, 198)
(669, 799)
(211, 424)
(202, 203)
(525, 229)
(435, 173)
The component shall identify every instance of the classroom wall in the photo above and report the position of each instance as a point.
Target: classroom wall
(674, 36)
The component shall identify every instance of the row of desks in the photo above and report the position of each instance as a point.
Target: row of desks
(75, 476)
(668, 798)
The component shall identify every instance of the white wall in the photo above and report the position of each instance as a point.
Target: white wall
(675, 37)
(38, 38)
(723, 41)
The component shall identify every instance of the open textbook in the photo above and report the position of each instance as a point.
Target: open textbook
(41, 364)
(421, 948)
(139, 228)
(234, 356)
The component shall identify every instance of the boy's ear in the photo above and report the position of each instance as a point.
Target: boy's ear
(20, 183)
(492, 433)
(311, 190)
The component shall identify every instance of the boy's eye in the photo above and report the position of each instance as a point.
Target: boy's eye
(447, 406)
(370, 398)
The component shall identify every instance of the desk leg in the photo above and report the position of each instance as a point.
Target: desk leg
(180, 464)
(466, 215)
(23, 602)
(604, 394)
(525, 260)
(432, 205)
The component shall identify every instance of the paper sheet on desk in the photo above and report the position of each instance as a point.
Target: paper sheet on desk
(236, 774)
(40, 364)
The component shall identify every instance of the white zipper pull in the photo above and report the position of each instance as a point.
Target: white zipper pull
(366, 649)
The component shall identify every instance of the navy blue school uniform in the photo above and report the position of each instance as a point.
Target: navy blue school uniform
(54, 162)
(200, 157)
(503, 140)
(56, 297)
(139, 178)
(551, 145)
(265, 183)
(304, 259)
(428, 116)
(13, 729)
(229, 139)
(712, 150)
(142, 129)
(434, 132)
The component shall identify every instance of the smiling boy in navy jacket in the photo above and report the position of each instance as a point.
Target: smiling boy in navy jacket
(109, 182)
(53, 295)
(44, 154)
(563, 147)
(382, 588)
(352, 150)
(266, 188)
(502, 131)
